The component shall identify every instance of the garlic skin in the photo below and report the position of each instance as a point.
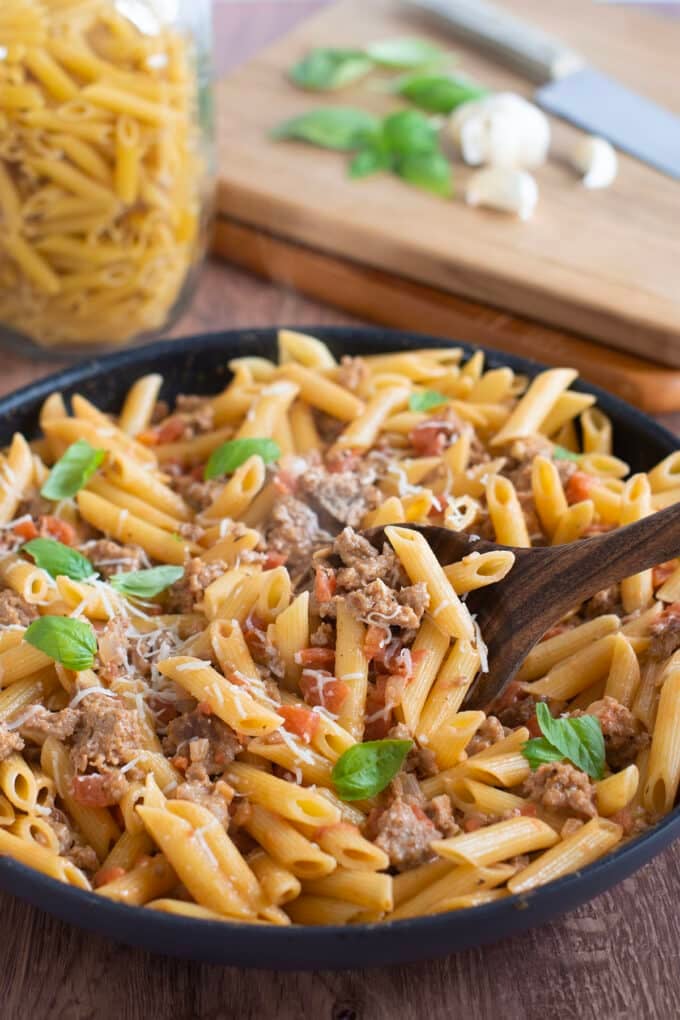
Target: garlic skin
(503, 129)
(596, 159)
(505, 188)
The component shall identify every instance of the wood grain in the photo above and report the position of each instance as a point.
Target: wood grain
(599, 264)
(378, 296)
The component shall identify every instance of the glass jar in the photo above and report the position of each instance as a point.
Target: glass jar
(106, 168)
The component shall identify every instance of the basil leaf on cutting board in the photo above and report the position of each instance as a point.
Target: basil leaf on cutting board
(403, 54)
(439, 93)
(324, 70)
(334, 127)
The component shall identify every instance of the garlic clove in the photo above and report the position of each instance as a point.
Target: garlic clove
(505, 188)
(503, 129)
(596, 159)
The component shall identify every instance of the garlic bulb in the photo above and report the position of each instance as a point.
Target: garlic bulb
(504, 188)
(502, 129)
(596, 159)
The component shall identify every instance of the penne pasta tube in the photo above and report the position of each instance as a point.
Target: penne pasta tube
(296, 803)
(301, 856)
(617, 791)
(368, 889)
(584, 846)
(549, 652)
(497, 842)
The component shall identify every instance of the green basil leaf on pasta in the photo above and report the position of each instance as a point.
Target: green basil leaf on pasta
(230, 455)
(439, 93)
(540, 752)
(425, 400)
(324, 70)
(560, 453)
(428, 170)
(72, 471)
(335, 127)
(403, 53)
(579, 740)
(59, 560)
(144, 584)
(363, 770)
(68, 641)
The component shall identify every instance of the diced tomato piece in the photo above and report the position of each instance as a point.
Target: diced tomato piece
(255, 634)
(273, 560)
(92, 791)
(430, 438)
(660, 574)
(533, 727)
(512, 693)
(472, 823)
(324, 584)
(171, 430)
(579, 487)
(149, 437)
(322, 688)
(180, 762)
(106, 875)
(284, 482)
(528, 809)
(204, 708)
(301, 721)
(343, 460)
(26, 530)
(198, 472)
(375, 642)
(316, 658)
(379, 715)
(559, 628)
(60, 530)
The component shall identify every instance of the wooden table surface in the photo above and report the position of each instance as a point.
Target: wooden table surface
(616, 957)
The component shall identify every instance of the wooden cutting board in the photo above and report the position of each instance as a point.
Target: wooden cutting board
(601, 265)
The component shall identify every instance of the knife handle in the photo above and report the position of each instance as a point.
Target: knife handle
(536, 54)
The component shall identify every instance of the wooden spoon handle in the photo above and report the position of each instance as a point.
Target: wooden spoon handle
(590, 565)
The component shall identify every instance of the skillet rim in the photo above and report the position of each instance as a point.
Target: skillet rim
(333, 946)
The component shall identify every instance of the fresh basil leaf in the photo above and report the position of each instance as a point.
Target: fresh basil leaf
(540, 752)
(425, 400)
(323, 70)
(333, 127)
(144, 584)
(408, 132)
(230, 455)
(72, 471)
(428, 170)
(369, 161)
(68, 641)
(363, 770)
(403, 53)
(439, 93)
(579, 740)
(59, 560)
(560, 453)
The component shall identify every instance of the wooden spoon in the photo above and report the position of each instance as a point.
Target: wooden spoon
(545, 583)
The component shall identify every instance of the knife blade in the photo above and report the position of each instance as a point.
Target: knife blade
(570, 89)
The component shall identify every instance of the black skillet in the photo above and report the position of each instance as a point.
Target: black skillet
(199, 365)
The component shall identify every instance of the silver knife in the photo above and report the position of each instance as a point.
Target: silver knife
(569, 87)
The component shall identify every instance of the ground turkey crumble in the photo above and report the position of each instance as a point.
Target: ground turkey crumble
(293, 531)
(10, 741)
(404, 831)
(184, 595)
(665, 631)
(488, 734)
(624, 735)
(109, 557)
(558, 786)
(202, 740)
(374, 586)
(345, 496)
(15, 611)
